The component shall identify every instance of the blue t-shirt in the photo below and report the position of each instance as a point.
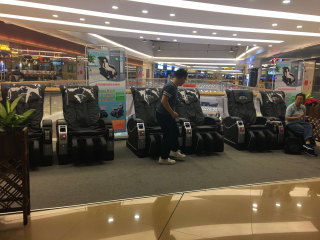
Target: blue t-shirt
(170, 90)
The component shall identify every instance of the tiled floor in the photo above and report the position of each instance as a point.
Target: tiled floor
(286, 211)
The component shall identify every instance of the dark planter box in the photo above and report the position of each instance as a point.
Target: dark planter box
(14, 173)
(313, 112)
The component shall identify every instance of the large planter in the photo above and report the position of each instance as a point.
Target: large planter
(14, 173)
(313, 112)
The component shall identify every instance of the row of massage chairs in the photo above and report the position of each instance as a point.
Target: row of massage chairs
(242, 129)
(82, 136)
(85, 135)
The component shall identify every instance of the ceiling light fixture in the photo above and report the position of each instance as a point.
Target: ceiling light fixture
(174, 40)
(165, 22)
(141, 37)
(254, 45)
(82, 19)
(172, 15)
(286, 1)
(231, 50)
(43, 20)
(144, 11)
(209, 7)
(144, 40)
(194, 32)
(299, 26)
(194, 63)
(55, 15)
(235, 34)
(239, 44)
(107, 22)
(158, 39)
(118, 45)
(275, 24)
(153, 46)
(115, 7)
(204, 59)
(159, 50)
(214, 33)
(250, 50)
(270, 45)
(278, 204)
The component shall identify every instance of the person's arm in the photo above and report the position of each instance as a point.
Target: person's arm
(289, 115)
(166, 105)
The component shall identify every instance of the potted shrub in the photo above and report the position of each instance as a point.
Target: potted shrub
(14, 160)
(311, 104)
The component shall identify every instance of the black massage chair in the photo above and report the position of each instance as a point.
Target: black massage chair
(40, 138)
(243, 129)
(273, 104)
(83, 137)
(144, 132)
(205, 130)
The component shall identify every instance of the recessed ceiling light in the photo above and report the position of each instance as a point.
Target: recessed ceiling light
(235, 34)
(107, 22)
(116, 29)
(174, 40)
(55, 15)
(158, 38)
(239, 44)
(159, 50)
(144, 11)
(194, 32)
(141, 37)
(254, 45)
(214, 33)
(208, 59)
(82, 19)
(115, 7)
(270, 45)
(278, 204)
(172, 15)
(275, 24)
(299, 26)
(197, 63)
(286, 1)
(144, 40)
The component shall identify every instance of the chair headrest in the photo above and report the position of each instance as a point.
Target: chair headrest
(146, 95)
(189, 96)
(30, 93)
(80, 94)
(242, 96)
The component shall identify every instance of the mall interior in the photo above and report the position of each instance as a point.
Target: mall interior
(80, 82)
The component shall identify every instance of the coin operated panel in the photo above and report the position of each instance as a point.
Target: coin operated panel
(241, 131)
(63, 139)
(188, 134)
(141, 136)
(280, 132)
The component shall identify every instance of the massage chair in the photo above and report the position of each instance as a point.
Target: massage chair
(144, 132)
(243, 129)
(39, 131)
(205, 130)
(82, 136)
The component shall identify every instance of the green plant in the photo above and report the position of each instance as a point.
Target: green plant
(308, 96)
(9, 120)
(91, 58)
(278, 68)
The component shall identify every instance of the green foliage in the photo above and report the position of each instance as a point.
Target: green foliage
(9, 120)
(91, 58)
(278, 68)
(308, 96)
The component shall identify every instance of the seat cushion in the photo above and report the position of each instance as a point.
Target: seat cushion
(257, 127)
(88, 133)
(205, 128)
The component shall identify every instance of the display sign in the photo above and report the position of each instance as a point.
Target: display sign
(107, 71)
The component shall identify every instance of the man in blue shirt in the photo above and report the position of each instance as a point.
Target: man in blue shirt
(295, 120)
(166, 116)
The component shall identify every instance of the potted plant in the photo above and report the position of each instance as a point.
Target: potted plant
(14, 160)
(311, 103)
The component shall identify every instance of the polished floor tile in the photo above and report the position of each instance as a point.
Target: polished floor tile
(284, 210)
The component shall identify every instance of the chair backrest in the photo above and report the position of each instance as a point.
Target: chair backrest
(189, 106)
(33, 98)
(273, 104)
(240, 104)
(80, 107)
(145, 104)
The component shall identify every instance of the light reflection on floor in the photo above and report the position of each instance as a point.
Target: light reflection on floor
(283, 210)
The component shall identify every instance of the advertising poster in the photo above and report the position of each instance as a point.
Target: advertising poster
(107, 71)
(290, 93)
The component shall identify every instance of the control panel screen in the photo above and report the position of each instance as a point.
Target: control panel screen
(240, 123)
(187, 124)
(62, 128)
(140, 126)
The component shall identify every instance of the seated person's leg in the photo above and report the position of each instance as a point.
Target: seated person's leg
(308, 131)
(296, 127)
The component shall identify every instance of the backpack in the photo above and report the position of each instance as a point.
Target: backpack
(292, 145)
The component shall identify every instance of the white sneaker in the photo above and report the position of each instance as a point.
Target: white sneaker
(177, 154)
(166, 161)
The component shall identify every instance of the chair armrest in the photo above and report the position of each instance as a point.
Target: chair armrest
(211, 120)
(265, 120)
(229, 121)
(47, 123)
(182, 120)
(61, 122)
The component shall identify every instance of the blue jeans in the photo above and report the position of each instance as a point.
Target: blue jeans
(305, 129)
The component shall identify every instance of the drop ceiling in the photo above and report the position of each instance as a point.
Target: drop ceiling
(168, 33)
